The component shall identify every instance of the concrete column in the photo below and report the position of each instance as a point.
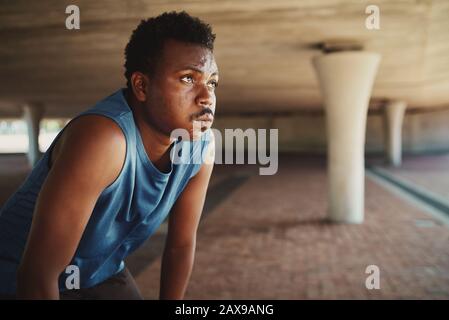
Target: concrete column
(394, 115)
(32, 114)
(346, 79)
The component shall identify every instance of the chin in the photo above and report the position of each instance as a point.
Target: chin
(198, 128)
(197, 134)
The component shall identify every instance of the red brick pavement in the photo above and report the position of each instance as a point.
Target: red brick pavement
(269, 240)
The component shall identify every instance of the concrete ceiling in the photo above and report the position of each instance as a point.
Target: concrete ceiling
(263, 48)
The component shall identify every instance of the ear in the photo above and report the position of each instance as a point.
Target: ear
(139, 84)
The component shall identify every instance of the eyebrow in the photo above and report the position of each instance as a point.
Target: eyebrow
(197, 70)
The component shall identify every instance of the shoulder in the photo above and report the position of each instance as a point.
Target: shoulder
(95, 135)
(96, 127)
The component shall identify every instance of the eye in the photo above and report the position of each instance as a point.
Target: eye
(187, 79)
(213, 83)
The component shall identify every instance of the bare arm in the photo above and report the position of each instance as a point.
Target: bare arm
(179, 252)
(88, 158)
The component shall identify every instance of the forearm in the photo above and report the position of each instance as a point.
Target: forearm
(32, 286)
(177, 264)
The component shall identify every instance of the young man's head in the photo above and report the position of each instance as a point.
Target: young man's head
(171, 70)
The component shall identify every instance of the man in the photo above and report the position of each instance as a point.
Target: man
(108, 180)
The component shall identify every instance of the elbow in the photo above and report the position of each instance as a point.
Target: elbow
(189, 247)
(180, 251)
(36, 284)
(184, 245)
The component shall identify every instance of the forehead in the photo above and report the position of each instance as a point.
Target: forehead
(178, 55)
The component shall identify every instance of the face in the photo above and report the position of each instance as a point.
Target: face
(182, 89)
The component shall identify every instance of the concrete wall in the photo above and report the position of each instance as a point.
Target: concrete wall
(422, 132)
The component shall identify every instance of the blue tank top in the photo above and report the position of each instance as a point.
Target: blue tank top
(126, 213)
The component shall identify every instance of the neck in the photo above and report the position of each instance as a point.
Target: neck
(156, 143)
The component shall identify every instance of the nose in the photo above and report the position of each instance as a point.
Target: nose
(205, 97)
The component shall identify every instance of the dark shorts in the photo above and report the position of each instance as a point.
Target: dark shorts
(118, 287)
(121, 286)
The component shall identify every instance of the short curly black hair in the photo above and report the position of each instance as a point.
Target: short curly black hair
(147, 40)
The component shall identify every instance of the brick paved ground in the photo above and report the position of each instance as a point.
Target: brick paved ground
(269, 240)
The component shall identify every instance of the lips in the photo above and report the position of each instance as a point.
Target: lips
(206, 117)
